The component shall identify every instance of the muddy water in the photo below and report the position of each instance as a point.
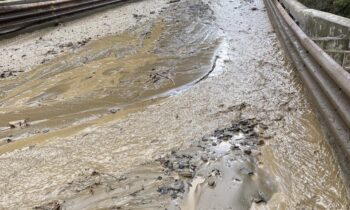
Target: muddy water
(297, 155)
(306, 166)
(121, 164)
(106, 76)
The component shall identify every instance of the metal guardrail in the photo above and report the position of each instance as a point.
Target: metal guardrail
(327, 82)
(14, 17)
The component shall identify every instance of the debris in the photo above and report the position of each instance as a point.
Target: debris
(19, 124)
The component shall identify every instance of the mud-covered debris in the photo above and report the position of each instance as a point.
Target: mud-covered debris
(173, 190)
(6, 140)
(45, 130)
(173, 1)
(187, 173)
(261, 142)
(204, 158)
(246, 171)
(235, 147)
(53, 205)
(260, 198)
(114, 110)
(19, 124)
(241, 139)
(6, 74)
(248, 151)
(211, 181)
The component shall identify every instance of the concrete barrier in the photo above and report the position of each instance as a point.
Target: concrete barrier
(329, 31)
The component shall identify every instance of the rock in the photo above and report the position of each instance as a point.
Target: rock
(18, 124)
(173, 195)
(211, 182)
(246, 171)
(187, 173)
(114, 110)
(204, 158)
(235, 147)
(263, 126)
(173, 1)
(260, 198)
(5, 74)
(261, 142)
(54, 205)
(178, 186)
(248, 151)
(6, 140)
(46, 130)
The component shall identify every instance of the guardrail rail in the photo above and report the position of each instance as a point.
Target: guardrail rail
(23, 14)
(328, 82)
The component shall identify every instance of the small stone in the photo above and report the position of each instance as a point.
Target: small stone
(178, 186)
(8, 140)
(211, 182)
(186, 173)
(248, 151)
(214, 144)
(260, 198)
(235, 147)
(46, 130)
(173, 195)
(18, 124)
(261, 142)
(204, 158)
(114, 110)
(263, 126)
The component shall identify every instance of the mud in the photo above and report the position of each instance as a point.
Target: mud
(107, 76)
(217, 171)
(237, 133)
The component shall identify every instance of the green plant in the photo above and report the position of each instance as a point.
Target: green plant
(338, 7)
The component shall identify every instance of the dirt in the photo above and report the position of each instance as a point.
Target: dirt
(221, 122)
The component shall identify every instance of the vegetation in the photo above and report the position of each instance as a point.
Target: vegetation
(338, 7)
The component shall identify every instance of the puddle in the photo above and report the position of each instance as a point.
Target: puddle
(116, 72)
